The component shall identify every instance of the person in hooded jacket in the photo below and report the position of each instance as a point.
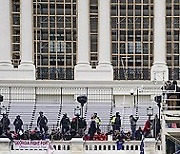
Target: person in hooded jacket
(65, 123)
(42, 122)
(5, 122)
(18, 123)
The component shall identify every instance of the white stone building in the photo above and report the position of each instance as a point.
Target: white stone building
(54, 50)
(90, 40)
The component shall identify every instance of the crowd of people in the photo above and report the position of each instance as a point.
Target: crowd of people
(77, 127)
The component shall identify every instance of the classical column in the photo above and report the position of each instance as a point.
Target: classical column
(104, 33)
(83, 70)
(104, 46)
(83, 33)
(26, 32)
(5, 35)
(163, 134)
(83, 41)
(27, 38)
(159, 69)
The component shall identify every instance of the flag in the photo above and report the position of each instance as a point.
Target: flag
(50, 149)
(119, 145)
(142, 146)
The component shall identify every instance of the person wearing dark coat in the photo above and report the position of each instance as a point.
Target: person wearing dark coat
(138, 134)
(117, 122)
(1, 128)
(82, 126)
(18, 123)
(156, 126)
(65, 123)
(92, 128)
(42, 122)
(133, 121)
(5, 122)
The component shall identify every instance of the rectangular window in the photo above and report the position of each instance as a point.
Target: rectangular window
(130, 47)
(52, 46)
(138, 47)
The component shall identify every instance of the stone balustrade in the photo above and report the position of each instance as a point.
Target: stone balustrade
(79, 146)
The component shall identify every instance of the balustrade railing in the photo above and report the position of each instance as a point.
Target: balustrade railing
(78, 144)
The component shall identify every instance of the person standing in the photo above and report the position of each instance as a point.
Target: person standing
(1, 128)
(42, 122)
(82, 126)
(65, 123)
(133, 122)
(18, 123)
(92, 128)
(156, 126)
(5, 122)
(97, 120)
(116, 122)
(147, 128)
